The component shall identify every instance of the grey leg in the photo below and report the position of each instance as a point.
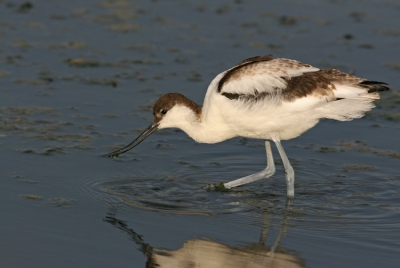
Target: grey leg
(266, 173)
(288, 169)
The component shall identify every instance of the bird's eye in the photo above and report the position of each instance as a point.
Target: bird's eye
(164, 111)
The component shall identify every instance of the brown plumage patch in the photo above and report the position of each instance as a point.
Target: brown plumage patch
(256, 59)
(234, 72)
(254, 97)
(308, 84)
(169, 100)
(339, 77)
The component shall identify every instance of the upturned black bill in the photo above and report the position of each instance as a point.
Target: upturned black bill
(145, 134)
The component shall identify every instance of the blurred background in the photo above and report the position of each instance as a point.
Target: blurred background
(78, 80)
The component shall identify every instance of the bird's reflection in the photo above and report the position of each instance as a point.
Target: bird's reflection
(207, 253)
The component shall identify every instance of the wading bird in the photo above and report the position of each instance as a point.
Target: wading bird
(265, 98)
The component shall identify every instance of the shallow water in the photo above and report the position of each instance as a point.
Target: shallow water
(77, 80)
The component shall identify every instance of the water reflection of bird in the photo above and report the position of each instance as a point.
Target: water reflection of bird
(208, 253)
(205, 253)
(265, 98)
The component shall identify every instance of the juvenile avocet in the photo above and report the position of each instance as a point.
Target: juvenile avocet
(265, 98)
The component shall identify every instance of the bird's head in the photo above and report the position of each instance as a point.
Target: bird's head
(173, 110)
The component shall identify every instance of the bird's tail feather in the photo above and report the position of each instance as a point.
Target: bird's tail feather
(374, 86)
(349, 109)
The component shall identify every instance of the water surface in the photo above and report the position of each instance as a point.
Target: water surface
(78, 79)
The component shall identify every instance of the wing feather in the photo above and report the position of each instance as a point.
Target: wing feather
(261, 76)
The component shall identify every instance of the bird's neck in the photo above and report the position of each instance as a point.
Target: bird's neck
(198, 125)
